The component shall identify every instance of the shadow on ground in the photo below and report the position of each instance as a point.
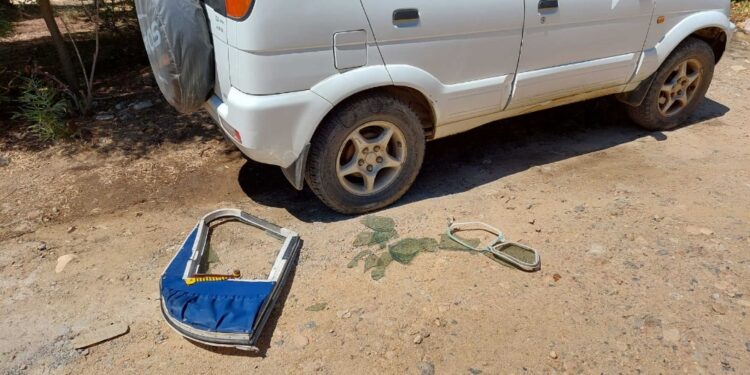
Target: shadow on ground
(484, 155)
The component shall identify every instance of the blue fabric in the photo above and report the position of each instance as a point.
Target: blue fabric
(220, 306)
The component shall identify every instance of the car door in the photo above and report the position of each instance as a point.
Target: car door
(577, 46)
(463, 55)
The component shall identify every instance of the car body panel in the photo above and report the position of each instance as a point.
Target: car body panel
(431, 54)
(581, 46)
(276, 84)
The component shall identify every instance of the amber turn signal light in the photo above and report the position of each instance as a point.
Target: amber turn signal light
(238, 9)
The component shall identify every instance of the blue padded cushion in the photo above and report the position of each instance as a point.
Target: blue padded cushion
(221, 306)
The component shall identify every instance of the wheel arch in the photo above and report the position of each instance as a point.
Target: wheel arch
(346, 87)
(711, 26)
(715, 37)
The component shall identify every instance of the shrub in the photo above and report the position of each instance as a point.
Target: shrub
(5, 23)
(41, 105)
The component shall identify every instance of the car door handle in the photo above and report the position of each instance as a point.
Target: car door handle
(548, 4)
(406, 17)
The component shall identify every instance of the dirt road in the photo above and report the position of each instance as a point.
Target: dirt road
(644, 240)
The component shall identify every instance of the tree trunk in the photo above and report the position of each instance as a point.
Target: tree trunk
(45, 8)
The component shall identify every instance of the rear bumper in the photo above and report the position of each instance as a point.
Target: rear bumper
(272, 129)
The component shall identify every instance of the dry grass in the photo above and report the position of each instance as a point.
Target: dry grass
(740, 10)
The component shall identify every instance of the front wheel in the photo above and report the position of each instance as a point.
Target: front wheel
(679, 87)
(366, 154)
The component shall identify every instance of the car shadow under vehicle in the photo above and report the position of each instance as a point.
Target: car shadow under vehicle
(466, 161)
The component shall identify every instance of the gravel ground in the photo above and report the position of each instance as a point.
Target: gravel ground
(644, 240)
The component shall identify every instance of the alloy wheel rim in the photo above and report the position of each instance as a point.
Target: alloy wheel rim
(680, 87)
(371, 158)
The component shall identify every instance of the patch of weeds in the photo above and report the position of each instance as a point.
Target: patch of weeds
(740, 10)
(41, 106)
(6, 26)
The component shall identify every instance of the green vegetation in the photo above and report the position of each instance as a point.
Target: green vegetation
(740, 10)
(6, 26)
(41, 106)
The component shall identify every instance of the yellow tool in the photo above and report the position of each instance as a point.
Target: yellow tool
(207, 278)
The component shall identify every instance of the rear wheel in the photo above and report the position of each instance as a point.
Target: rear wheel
(679, 87)
(366, 154)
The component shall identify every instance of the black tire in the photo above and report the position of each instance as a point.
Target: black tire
(648, 114)
(333, 135)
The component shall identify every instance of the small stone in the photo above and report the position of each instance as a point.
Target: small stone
(747, 346)
(72, 229)
(160, 338)
(4, 161)
(474, 371)
(698, 231)
(311, 325)
(671, 335)
(145, 104)
(300, 341)
(34, 214)
(719, 308)
(532, 221)
(105, 117)
(100, 334)
(317, 307)
(556, 277)
(63, 261)
(553, 354)
(596, 249)
(42, 246)
(345, 314)
(546, 170)
(418, 339)
(426, 368)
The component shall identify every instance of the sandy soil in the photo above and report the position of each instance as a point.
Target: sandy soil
(644, 240)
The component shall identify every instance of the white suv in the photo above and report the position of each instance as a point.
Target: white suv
(344, 94)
